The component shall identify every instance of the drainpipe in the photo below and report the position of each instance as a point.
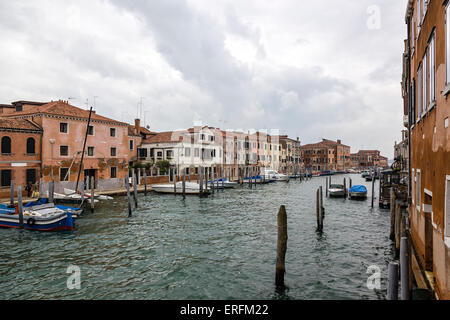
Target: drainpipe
(42, 164)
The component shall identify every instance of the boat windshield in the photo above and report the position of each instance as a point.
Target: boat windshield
(336, 186)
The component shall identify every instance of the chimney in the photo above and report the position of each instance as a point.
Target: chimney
(339, 141)
(137, 126)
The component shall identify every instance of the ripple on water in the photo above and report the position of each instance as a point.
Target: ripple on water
(223, 247)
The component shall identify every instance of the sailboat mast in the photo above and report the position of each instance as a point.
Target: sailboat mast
(84, 147)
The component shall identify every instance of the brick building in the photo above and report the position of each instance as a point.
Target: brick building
(20, 158)
(426, 88)
(327, 155)
(63, 126)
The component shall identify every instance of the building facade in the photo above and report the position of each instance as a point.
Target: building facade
(20, 158)
(426, 89)
(107, 150)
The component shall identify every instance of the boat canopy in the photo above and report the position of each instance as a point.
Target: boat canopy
(358, 188)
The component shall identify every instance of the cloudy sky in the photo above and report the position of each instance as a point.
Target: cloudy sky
(312, 69)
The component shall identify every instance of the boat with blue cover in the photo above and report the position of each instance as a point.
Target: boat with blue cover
(358, 192)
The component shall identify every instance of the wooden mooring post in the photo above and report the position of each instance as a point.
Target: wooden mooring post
(20, 206)
(326, 186)
(51, 190)
(127, 185)
(320, 211)
(398, 221)
(200, 179)
(41, 188)
(135, 196)
(392, 208)
(184, 183)
(405, 293)
(211, 176)
(92, 194)
(392, 289)
(12, 193)
(373, 187)
(82, 191)
(145, 182)
(345, 188)
(280, 268)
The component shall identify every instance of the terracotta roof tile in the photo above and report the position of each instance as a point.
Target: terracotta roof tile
(21, 124)
(61, 108)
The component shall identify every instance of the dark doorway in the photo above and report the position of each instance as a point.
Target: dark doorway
(6, 178)
(88, 174)
(31, 176)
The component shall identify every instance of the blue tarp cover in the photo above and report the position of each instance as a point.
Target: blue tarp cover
(358, 188)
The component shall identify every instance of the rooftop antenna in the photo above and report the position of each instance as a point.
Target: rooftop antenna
(95, 97)
(71, 98)
(140, 114)
(87, 103)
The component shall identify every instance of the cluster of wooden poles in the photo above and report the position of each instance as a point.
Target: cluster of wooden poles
(401, 269)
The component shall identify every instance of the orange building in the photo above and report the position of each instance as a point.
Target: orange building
(327, 155)
(20, 158)
(426, 88)
(108, 146)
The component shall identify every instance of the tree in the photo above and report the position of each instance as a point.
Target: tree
(163, 166)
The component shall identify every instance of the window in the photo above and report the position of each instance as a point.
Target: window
(142, 153)
(187, 152)
(6, 145)
(113, 152)
(91, 130)
(113, 172)
(432, 72)
(63, 150)
(412, 35)
(447, 207)
(418, 17)
(196, 170)
(413, 103)
(63, 127)
(419, 91)
(90, 151)
(196, 152)
(6, 178)
(112, 132)
(31, 175)
(425, 83)
(418, 190)
(64, 174)
(131, 144)
(31, 146)
(187, 171)
(159, 154)
(169, 154)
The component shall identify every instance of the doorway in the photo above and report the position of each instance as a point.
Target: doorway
(88, 174)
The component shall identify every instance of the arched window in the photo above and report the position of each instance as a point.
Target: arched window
(31, 146)
(6, 145)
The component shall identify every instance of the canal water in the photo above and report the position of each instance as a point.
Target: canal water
(221, 247)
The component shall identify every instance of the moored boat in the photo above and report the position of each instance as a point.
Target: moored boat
(45, 217)
(190, 188)
(358, 192)
(274, 175)
(336, 190)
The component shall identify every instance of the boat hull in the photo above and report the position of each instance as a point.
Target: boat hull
(358, 195)
(337, 193)
(62, 222)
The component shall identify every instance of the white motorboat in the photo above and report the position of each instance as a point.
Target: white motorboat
(218, 184)
(336, 190)
(273, 174)
(69, 192)
(190, 188)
